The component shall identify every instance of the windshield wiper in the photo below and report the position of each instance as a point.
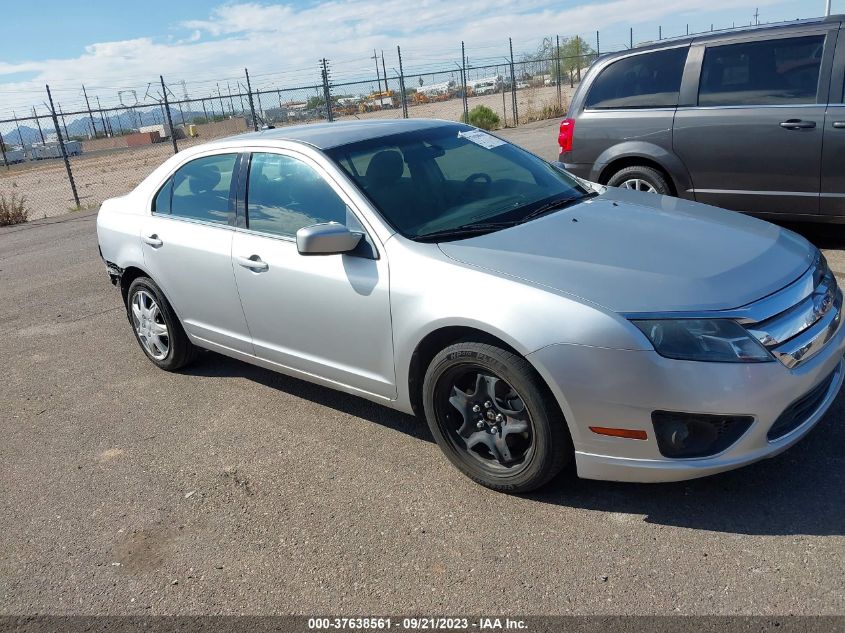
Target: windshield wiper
(488, 227)
(556, 205)
(464, 231)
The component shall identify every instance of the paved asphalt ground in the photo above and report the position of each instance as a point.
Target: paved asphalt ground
(231, 489)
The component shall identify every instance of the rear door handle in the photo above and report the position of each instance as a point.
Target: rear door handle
(797, 124)
(153, 240)
(839, 125)
(253, 262)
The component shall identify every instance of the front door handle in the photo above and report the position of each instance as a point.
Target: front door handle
(153, 240)
(797, 124)
(839, 125)
(253, 262)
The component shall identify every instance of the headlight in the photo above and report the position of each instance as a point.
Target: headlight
(714, 340)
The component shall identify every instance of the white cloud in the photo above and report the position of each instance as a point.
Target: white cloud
(288, 41)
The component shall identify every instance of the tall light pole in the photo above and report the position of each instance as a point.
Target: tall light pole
(827, 7)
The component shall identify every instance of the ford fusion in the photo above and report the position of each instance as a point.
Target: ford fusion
(532, 318)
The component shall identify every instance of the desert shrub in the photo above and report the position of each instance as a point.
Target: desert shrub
(483, 117)
(13, 209)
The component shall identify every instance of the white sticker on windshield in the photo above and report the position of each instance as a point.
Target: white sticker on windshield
(478, 137)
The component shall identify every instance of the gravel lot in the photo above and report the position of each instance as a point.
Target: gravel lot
(230, 489)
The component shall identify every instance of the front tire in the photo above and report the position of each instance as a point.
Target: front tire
(641, 178)
(156, 327)
(493, 417)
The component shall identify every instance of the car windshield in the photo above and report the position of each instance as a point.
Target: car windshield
(453, 181)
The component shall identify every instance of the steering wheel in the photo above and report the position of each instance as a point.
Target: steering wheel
(472, 178)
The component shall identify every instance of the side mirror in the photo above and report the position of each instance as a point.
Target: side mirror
(326, 239)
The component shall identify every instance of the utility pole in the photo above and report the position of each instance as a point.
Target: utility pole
(62, 146)
(384, 72)
(378, 76)
(251, 104)
(106, 126)
(38, 123)
(20, 136)
(64, 124)
(88, 105)
(757, 13)
(327, 91)
(402, 84)
(169, 117)
(827, 8)
(513, 87)
(464, 79)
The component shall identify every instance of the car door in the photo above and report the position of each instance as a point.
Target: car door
(187, 244)
(832, 198)
(753, 140)
(325, 316)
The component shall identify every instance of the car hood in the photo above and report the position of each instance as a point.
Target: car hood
(638, 252)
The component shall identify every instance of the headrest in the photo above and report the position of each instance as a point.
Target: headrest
(385, 168)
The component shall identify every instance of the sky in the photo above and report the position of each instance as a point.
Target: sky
(111, 46)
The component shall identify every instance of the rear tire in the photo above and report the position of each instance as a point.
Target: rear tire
(641, 178)
(493, 417)
(156, 327)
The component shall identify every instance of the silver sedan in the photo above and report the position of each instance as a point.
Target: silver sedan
(532, 318)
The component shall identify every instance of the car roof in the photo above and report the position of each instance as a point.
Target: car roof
(329, 135)
(718, 34)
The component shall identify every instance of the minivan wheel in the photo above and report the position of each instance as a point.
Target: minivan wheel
(493, 418)
(156, 328)
(640, 178)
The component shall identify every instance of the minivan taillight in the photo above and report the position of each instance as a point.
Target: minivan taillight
(567, 131)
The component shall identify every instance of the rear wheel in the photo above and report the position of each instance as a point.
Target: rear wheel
(157, 330)
(493, 418)
(640, 178)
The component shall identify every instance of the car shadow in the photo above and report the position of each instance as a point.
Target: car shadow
(796, 493)
(211, 364)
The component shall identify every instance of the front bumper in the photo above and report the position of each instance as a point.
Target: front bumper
(621, 388)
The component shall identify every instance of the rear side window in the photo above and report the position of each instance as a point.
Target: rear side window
(284, 195)
(199, 190)
(770, 72)
(647, 80)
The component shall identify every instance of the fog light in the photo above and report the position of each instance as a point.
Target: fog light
(695, 434)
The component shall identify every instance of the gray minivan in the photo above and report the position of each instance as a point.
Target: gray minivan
(750, 120)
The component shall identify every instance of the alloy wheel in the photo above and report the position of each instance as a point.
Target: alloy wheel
(638, 184)
(150, 325)
(486, 419)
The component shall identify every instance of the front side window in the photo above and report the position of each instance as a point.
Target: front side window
(199, 190)
(437, 180)
(770, 72)
(285, 194)
(646, 80)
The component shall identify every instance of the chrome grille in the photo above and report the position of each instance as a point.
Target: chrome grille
(801, 319)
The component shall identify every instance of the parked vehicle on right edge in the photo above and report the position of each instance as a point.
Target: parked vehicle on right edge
(751, 120)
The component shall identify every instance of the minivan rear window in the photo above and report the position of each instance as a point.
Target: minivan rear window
(647, 80)
(769, 72)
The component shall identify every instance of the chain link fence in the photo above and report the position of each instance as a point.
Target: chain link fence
(56, 160)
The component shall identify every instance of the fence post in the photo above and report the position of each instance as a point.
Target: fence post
(167, 113)
(220, 95)
(64, 124)
(204, 111)
(3, 150)
(598, 45)
(557, 82)
(251, 104)
(464, 81)
(402, 85)
(631, 37)
(102, 118)
(62, 146)
(513, 87)
(327, 91)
